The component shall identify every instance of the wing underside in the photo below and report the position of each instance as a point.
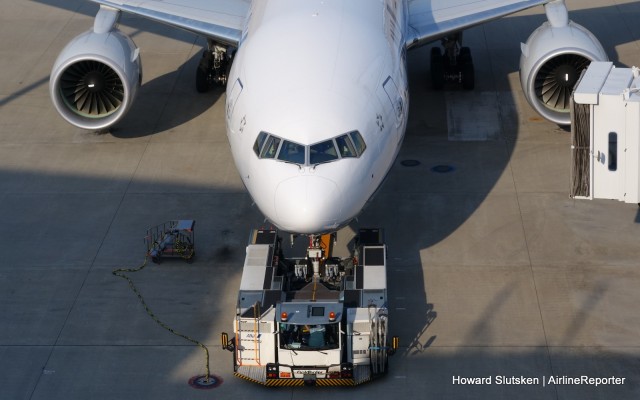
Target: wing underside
(224, 20)
(221, 20)
(430, 20)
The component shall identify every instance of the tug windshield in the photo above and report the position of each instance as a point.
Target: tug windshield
(309, 337)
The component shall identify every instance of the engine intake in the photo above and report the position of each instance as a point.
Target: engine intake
(95, 79)
(551, 63)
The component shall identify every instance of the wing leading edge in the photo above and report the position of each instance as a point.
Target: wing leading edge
(221, 20)
(430, 20)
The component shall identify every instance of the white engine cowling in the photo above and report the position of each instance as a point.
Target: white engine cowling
(95, 79)
(551, 63)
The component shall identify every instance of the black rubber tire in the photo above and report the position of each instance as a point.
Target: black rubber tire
(468, 77)
(467, 69)
(203, 83)
(437, 69)
(202, 79)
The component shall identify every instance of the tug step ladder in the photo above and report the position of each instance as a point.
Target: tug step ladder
(378, 348)
(248, 350)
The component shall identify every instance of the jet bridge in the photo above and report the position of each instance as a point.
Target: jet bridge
(605, 131)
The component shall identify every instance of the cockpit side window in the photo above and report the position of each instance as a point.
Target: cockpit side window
(257, 146)
(322, 152)
(358, 141)
(292, 152)
(270, 148)
(345, 147)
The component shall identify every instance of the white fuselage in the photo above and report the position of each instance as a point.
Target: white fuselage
(307, 72)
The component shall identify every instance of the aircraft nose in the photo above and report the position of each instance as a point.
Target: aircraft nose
(307, 204)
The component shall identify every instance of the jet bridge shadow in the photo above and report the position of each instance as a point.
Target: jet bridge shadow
(63, 306)
(68, 231)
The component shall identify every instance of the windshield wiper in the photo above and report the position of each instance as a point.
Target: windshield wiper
(294, 163)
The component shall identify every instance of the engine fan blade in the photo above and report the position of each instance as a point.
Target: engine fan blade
(556, 78)
(91, 89)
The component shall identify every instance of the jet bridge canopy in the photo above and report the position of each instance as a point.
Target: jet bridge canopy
(606, 134)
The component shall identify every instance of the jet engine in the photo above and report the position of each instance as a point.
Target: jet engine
(551, 63)
(95, 79)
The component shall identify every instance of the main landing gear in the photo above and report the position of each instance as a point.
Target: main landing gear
(214, 67)
(454, 66)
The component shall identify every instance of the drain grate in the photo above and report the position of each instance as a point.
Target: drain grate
(201, 382)
(443, 169)
(409, 163)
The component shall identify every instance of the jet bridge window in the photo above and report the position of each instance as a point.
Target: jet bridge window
(322, 152)
(613, 151)
(292, 152)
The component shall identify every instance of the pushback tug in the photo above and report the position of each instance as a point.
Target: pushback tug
(312, 320)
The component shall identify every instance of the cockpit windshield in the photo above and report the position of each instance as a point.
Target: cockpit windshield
(349, 145)
(322, 152)
(309, 337)
(359, 142)
(271, 148)
(292, 152)
(345, 147)
(257, 146)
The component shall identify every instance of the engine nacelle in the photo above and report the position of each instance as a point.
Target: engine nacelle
(551, 63)
(95, 79)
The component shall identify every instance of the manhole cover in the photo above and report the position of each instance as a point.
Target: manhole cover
(409, 163)
(201, 382)
(442, 169)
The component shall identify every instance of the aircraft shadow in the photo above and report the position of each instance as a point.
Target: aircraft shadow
(171, 96)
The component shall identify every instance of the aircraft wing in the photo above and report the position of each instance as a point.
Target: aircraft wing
(222, 20)
(430, 20)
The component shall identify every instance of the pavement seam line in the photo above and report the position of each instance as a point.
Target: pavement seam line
(533, 277)
(517, 193)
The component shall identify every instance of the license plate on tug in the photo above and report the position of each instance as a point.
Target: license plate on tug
(310, 374)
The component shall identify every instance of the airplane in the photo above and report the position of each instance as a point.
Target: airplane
(317, 92)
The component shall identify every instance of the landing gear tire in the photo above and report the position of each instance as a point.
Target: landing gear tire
(437, 69)
(467, 69)
(203, 79)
